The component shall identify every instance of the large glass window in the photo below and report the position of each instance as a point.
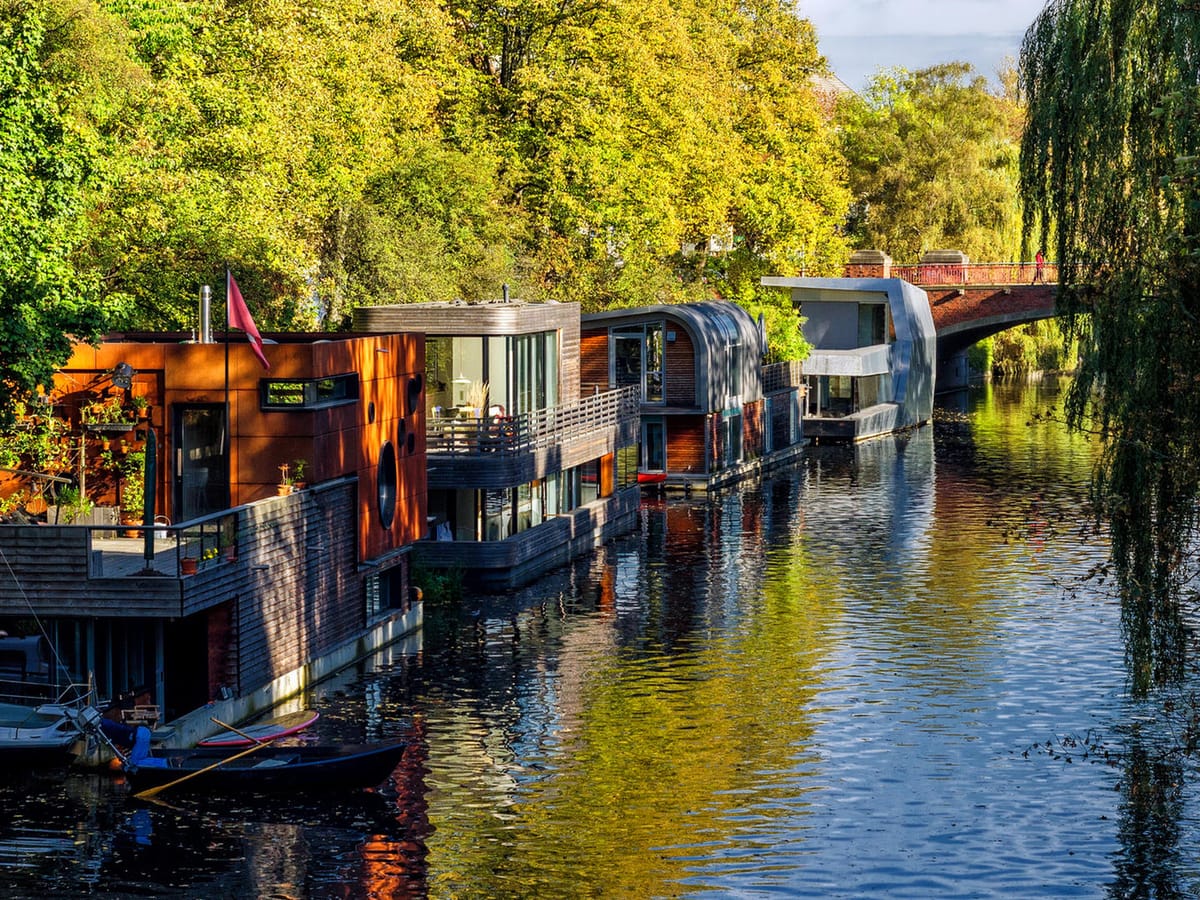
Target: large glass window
(518, 372)
(308, 393)
(637, 358)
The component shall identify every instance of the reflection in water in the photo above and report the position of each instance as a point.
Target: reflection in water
(824, 684)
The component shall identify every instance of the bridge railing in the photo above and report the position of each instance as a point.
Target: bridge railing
(977, 273)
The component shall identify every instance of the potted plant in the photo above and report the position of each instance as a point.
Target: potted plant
(105, 414)
(132, 469)
(299, 467)
(141, 406)
(285, 480)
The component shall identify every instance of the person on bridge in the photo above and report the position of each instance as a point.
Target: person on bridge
(1039, 268)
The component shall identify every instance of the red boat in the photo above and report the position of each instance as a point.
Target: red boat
(651, 477)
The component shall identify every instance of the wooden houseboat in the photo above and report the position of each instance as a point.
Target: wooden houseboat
(710, 413)
(274, 516)
(527, 469)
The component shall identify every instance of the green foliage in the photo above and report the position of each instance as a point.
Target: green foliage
(47, 161)
(1110, 169)
(1026, 349)
(933, 164)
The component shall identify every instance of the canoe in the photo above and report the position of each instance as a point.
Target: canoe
(651, 477)
(270, 729)
(270, 769)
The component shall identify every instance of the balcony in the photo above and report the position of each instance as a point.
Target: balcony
(498, 451)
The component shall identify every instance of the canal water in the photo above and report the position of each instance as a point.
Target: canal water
(890, 670)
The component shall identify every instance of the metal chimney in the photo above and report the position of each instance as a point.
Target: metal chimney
(205, 314)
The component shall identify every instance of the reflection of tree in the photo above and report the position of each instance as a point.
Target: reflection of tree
(1149, 828)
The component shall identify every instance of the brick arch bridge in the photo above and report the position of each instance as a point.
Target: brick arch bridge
(971, 302)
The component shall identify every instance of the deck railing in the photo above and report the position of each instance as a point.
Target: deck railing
(528, 432)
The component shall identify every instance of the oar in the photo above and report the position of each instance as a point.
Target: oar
(251, 738)
(150, 792)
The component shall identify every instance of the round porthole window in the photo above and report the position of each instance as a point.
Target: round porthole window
(386, 482)
(413, 395)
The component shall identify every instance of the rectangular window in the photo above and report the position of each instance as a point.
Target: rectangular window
(637, 359)
(308, 393)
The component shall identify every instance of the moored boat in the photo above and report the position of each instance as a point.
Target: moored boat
(269, 768)
(42, 735)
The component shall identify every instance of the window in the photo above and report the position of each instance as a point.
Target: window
(637, 358)
(386, 485)
(308, 393)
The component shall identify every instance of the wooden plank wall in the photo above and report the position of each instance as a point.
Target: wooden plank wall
(686, 445)
(680, 371)
(593, 362)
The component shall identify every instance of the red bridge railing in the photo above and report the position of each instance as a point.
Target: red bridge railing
(977, 273)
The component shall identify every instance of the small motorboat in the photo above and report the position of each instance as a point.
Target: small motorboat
(264, 768)
(43, 735)
(268, 730)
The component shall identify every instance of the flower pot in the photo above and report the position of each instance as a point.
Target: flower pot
(283, 489)
(230, 553)
(188, 565)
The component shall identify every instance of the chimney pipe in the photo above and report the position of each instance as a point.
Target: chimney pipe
(205, 314)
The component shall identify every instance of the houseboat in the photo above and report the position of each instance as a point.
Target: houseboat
(271, 514)
(874, 353)
(528, 468)
(710, 413)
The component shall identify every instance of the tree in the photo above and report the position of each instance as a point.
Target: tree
(932, 157)
(1110, 171)
(47, 161)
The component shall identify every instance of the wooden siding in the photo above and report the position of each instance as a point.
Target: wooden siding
(686, 445)
(752, 430)
(679, 373)
(593, 360)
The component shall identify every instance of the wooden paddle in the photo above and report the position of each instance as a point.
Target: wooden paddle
(151, 792)
(248, 737)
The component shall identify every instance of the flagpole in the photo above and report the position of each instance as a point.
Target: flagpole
(228, 417)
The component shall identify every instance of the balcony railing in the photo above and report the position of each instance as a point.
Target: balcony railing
(528, 432)
(977, 273)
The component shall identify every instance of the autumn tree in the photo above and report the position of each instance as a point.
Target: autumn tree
(932, 157)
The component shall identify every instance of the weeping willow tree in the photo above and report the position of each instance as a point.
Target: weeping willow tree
(1110, 162)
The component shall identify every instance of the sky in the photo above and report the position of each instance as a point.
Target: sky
(858, 37)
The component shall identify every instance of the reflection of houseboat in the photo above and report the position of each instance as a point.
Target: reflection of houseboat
(526, 470)
(871, 370)
(710, 411)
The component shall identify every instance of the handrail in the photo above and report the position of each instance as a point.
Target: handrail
(548, 427)
(977, 273)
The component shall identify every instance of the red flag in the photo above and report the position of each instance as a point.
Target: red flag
(238, 316)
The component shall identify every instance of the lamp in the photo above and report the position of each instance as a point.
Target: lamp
(122, 375)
